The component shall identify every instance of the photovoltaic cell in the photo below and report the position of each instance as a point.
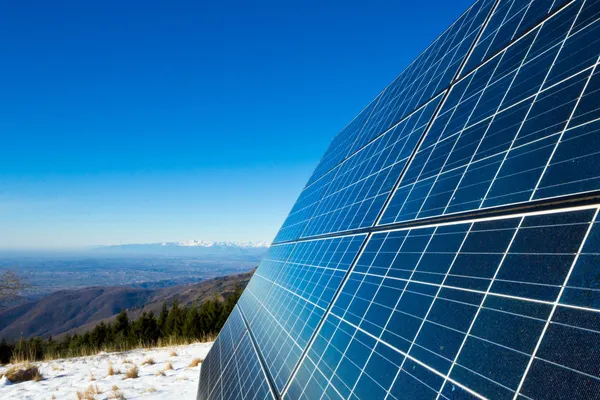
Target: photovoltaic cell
(447, 244)
(289, 306)
(509, 20)
(461, 305)
(357, 193)
(428, 75)
(222, 357)
(502, 125)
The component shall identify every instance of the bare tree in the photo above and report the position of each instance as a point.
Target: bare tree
(10, 285)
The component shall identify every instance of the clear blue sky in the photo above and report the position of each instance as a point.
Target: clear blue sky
(153, 121)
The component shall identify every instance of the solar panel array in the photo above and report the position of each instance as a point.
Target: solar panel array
(447, 245)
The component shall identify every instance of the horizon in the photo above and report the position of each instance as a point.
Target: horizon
(183, 120)
(255, 243)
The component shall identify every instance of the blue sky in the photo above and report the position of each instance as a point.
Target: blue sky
(134, 122)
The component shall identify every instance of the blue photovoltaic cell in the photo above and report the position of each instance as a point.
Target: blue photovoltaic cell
(463, 305)
(288, 307)
(342, 142)
(502, 126)
(269, 267)
(510, 19)
(243, 377)
(305, 206)
(426, 76)
(221, 353)
(357, 193)
(447, 246)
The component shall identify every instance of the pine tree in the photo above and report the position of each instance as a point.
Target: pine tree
(162, 320)
(174, 320)
(122, 326)
(5, 352)
(191, 326)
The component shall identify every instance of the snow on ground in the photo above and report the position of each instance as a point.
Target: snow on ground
(62, 379)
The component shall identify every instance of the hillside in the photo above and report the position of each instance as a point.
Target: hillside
(80, 310)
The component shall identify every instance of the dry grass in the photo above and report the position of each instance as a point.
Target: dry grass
(168, 367)
(23, 373)
(116, 393)
(195, 362)
(92, 377)
(148, 361)
(132, 373)
(111, 370)
(151, 389)
(173, 353)
(29, 355)
(89, 394)
(160, 373)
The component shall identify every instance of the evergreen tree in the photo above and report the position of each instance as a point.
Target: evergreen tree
(121, 327)
(191, 326)
(174, 320)
(162, 320)
(6, 352)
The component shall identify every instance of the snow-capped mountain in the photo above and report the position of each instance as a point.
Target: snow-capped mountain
(190, 248)
(209, 243)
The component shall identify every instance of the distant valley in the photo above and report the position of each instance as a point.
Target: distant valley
(72, 291)
(76, 311)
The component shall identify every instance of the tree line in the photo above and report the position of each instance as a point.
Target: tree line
(174, 325)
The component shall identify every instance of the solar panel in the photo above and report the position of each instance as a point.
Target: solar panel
(447, 245)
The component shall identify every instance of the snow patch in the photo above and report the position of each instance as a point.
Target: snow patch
(64, 378)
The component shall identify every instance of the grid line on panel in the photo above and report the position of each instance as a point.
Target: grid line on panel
(282, 265)
(570, 202)
(430, 306)
(552, 87)
(518, 37)
(436, 112)
(322, 321)
(484, 10)
(367, 175)
(559, 141)
(411, 358)
(460, 133)
(379, 337)
(555, 305)
(224, 331)
(380, 95)
(294, 293)
(487, 292)
(492, 118)
(501, 295)
(406, 117)
(413, 86)
(376, 100)
(262, 362)
(562, 45)
(514, 251)
(322, 282)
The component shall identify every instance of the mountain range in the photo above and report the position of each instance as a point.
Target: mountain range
(188, 247)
